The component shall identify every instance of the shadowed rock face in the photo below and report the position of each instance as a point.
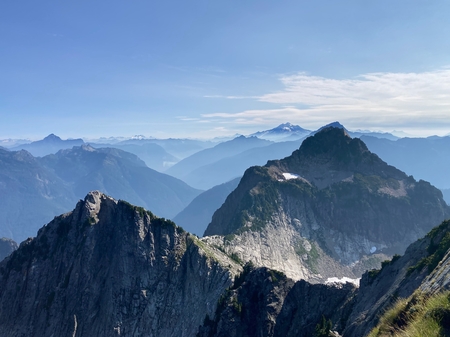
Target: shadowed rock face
(109, 268)
(267, 303)
(264, 302)
(332, 208)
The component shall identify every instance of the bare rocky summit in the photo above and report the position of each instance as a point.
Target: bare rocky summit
(109, 268)
(331, 209)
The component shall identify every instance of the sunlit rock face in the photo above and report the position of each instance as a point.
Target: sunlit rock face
(331, 209)
(109, 268)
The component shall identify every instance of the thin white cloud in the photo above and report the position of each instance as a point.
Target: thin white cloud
(231, 97)
(369, 100)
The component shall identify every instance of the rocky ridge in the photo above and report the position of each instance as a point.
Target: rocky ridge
(264, 302)
(109, 268)
(331, 209)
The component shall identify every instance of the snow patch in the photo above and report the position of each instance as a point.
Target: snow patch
(289, 176)
(343, 280)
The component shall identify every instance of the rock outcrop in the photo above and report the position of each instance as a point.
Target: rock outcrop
(112, 269)
(109, 268)
(265, 302)
(331, 209)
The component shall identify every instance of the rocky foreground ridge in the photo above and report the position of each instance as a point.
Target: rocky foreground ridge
(263, 302)
(331, 209)
(112, 269)
(109, 268)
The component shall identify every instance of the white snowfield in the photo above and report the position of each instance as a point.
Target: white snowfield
(288, 176)
(343, 280)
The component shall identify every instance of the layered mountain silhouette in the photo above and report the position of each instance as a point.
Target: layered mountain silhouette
(197, 215)
(424, 158)
(48, 186)
(31, 194)
(283, 132)
(330, 207)
(48, 145)
(185, 169)
(110, 268)
(179, 148)
(152, 154)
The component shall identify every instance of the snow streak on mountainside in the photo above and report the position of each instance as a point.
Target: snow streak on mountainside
(331, 209)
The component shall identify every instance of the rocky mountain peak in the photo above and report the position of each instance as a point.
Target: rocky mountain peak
(331, 140)
(87, 147)
(90, 207)
(328, 210)
(109, 268)
(52, 138)
(330, 156)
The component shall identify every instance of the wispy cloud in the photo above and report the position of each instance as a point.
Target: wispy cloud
(369, 100)
(231, 97)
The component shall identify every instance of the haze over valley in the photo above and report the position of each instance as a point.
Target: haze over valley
(224, 169)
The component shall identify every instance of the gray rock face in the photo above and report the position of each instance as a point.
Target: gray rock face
(112, 269)
(264, 302)
(109, 268)
(332, 209)
(379, 289)
(267, 303)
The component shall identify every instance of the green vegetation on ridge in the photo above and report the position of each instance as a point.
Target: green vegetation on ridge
(418, 316)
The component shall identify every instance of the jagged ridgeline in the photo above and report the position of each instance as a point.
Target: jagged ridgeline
(331, 209)
(109, 268)
(409, 296)
(112, 269)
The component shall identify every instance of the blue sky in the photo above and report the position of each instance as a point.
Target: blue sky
(213, 68)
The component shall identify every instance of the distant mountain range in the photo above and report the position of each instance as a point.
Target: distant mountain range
(185, 169)
(154, 155)
(31, 194)
(230, 159)
(198, 214)
(230, 167)
(357, 134)
(283, 132)
(290, 251)
(47, 186)
(424, 158)
(48, 145)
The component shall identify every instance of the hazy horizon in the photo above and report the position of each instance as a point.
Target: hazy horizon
(203, 69)
(397, 133)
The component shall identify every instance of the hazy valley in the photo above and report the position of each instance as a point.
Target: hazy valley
(283, 218)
